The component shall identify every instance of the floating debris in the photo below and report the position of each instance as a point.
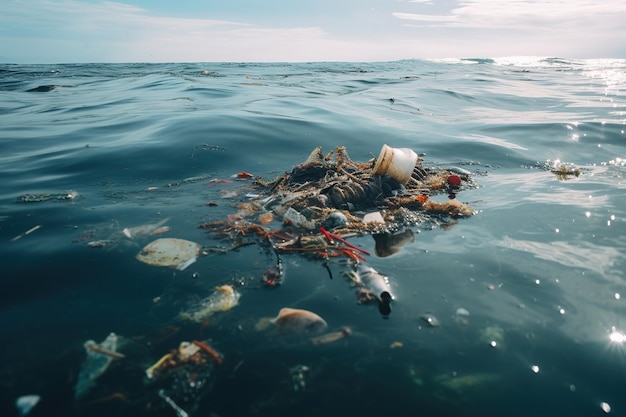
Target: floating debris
(321, 185)
(266, 218)
(171, 252)
(430, 320)
(466, 384)
(336, 198)
(493, 336)
(298, 377)
(179, 411)
(374, 217)
(243, 175)
(388, 244)
(397, 162)
(563, 170)
(462, 316)
(146, 229)
(224, 298)
(26, 403)
(184, 374)
(294, 321)
(37, 198)
(372, 279)
(28, 232)
(331, 337)
(99, 357)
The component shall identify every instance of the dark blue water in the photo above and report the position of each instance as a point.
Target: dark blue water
(539, 267)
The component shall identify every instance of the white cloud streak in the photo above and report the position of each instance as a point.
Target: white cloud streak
(43, 31)
(527, 14)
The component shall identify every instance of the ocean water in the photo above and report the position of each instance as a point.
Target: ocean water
(528, 294)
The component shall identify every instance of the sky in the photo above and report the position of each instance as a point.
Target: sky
(82, 31)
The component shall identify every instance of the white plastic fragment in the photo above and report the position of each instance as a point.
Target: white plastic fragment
(179, 411)
(143, 230)
(28, 232)
(26, 403)
(183, 265)
(171, 252)
(99, 357)
(374, 217)
(297, 219)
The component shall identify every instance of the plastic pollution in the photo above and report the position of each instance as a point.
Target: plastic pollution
(335, 219)
(171, 252)
(183, 375)
(99, 357)
(146, 229)
(374, 217)
(28, 232)
(36, 198)
(331, 337)
(297, 219)
(397, 162)
(26, 403)
(388, 244)
(462, 316)
(224, 298)
(374, 287)
(179, 411)
(373, 280)
(298, 377)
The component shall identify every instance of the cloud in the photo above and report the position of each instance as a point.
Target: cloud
(525, 14)
(109, 31)
(490, 28)
(48, 31)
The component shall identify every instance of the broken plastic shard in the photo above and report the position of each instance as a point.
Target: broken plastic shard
(172, 252)
(179, 411)
(374, 217)
(26, 403)
(96, 363)
(143, 230)
(388, 244)
(297, 219)
(224, 298)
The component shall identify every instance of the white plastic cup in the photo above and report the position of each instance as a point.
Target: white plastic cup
(397, 162)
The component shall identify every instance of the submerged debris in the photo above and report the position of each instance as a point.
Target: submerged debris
(99, 357)
(299, 376)
(184, 374)
(26, 403)
(224, 298)
(331, 337)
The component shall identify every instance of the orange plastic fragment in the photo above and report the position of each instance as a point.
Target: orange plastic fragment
(422, 198)
(244, 175)
(206, 348)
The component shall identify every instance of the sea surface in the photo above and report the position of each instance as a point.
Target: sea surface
(517, 310)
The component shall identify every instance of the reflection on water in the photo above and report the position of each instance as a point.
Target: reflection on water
(585, 255)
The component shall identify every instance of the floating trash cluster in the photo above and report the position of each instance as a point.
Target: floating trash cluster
(319, 205)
